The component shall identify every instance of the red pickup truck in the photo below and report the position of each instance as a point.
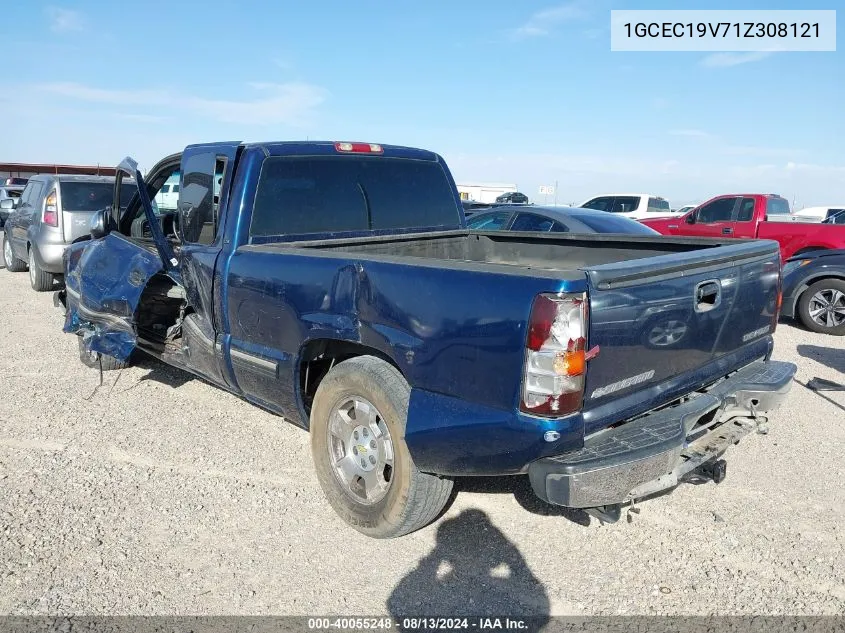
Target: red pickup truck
(753, 215)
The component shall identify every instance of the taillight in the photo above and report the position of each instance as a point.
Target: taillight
(555, 358)
(358, 148)
(51, 211)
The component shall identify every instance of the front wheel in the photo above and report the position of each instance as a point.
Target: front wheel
(97, 360)
(822, 307)
(13, 264)
(39, 279)
(362, 461)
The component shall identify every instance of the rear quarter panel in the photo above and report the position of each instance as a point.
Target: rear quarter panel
(794, 237)
(456, 334)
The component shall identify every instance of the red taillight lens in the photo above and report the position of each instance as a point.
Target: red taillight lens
(51, 212)
(358, 148)
(555, 361)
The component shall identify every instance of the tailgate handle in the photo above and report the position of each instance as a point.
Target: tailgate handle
(708, 295)
(727, 230)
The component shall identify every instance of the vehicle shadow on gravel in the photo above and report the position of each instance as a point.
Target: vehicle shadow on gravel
(162, 373)
(520, 488)
(833, 358)
(473, 570)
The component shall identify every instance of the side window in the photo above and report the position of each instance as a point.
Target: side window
(719, 210)
(489, 222)
(26, 193)
(557, 227)
(746, 210)
(836, 216)
(197, 210)
(777, 206)
(625, 204)
(35, 195)
(656, 205)
(531, 222)
(599, 204)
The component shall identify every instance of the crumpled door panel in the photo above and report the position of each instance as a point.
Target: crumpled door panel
(104, 280)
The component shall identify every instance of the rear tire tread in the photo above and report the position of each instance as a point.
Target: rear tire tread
(40, 280)
(426, 494)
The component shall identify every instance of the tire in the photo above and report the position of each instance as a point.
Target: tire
(411, 499)
(40, 280)
(93, 359)
(812, 307)
(13, 264)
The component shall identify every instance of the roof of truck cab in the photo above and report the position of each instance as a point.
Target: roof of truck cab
(306, 148)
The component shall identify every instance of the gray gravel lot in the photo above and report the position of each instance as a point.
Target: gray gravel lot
(160, 494)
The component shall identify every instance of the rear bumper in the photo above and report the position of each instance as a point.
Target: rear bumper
(654, 452)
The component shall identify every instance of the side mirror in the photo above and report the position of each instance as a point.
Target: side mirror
(99, 224)
(8, 204)
(691, 218)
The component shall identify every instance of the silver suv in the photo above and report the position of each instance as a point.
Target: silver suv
(52, 212)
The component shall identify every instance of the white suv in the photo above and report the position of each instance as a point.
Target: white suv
(639, 206)
(168, 195)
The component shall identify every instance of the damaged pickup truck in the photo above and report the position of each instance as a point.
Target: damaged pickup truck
(336, 285)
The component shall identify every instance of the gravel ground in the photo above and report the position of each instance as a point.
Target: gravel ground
(160, 494)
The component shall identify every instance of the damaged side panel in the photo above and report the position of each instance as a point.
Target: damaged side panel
(104, 281)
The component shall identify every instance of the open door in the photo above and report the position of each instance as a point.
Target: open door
(105, 276)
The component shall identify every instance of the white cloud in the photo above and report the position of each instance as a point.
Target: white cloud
(717, 145)
(690, 133)
(543, 22)
(64, 20)
(138, 118)
(288, 103)
(724, 60)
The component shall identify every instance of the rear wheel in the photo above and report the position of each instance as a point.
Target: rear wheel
(822, 307)
(94, 359)
(13, 264)
(362, 461)
(39, 279)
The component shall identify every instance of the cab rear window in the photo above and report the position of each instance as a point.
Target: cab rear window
(300, 196)
(777, 206)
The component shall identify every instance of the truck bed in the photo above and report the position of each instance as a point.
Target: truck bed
(529, 251)
(655, 342)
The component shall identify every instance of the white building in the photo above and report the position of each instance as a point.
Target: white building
(483, 192)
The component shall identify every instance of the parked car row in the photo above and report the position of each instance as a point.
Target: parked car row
(47, 215)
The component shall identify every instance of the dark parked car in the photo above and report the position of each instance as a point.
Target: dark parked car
(814, 290)
(555, 220)
(513, 197)
(471, 207)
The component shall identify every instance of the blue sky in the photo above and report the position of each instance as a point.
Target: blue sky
(526, 92)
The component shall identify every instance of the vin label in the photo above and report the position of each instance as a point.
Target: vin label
(723, 31)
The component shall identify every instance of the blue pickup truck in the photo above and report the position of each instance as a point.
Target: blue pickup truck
(336, 285)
